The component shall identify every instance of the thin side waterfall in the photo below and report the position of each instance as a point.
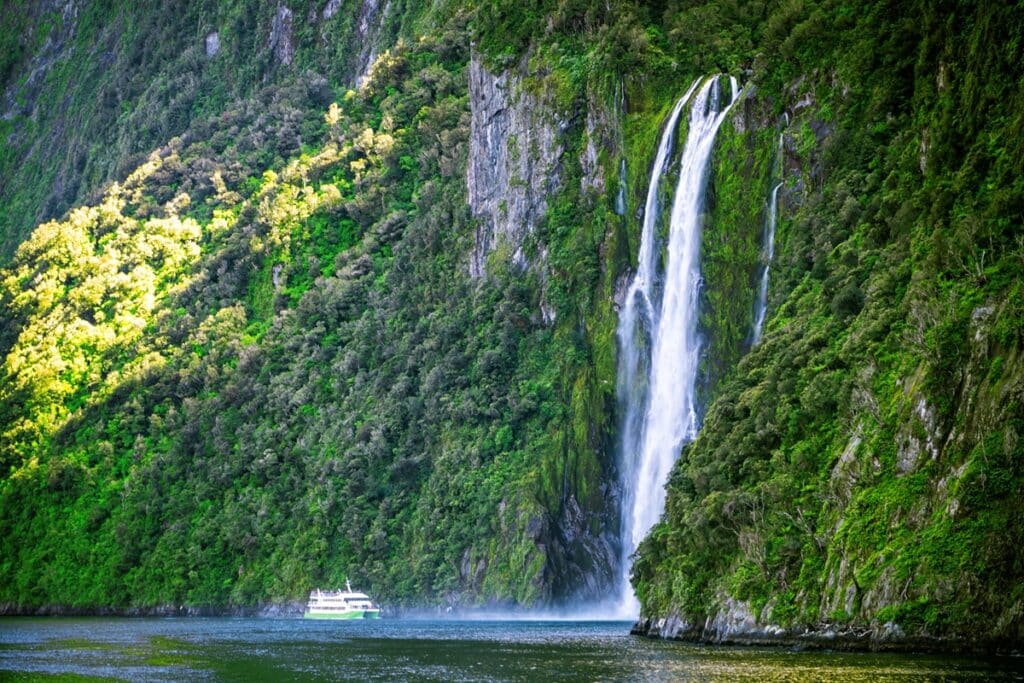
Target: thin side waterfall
(620, 197)
(658, 343)
(768, 254)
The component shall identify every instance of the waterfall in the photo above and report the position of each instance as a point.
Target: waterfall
(620, 197)
(658, 343)
(636, 322)
(768, 253)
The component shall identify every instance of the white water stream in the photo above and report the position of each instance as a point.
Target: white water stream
(659, 347)
(761, 307)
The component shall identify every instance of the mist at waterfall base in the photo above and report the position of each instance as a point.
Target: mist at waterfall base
(659, 347)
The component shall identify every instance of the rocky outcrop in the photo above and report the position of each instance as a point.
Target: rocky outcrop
(20, 95)
(281, 41)
(330, 9)
(514, 162)
(735, 625)
(735, 622)
(368, 30)
(582, 562)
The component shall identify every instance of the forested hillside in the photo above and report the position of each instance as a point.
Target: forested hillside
(303, 291)
(860, 470)
(259, 363)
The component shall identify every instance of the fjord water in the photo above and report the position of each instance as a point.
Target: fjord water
(236, 649)
(659, 347)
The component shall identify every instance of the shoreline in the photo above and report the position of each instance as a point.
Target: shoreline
(295, 609)
(823, 637)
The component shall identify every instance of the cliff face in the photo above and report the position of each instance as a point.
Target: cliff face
(267, 365)
(514, 157)
(824, 500)
(315, 332)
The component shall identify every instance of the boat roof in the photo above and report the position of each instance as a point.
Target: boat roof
(338, 594)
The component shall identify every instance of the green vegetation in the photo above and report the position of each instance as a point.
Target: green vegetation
(258, 363)
(230, 407)
(241, 375)
(103, 84)
(862, 464)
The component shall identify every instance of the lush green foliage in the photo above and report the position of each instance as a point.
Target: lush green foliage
(281, 379)
(862, 464)
(258, 362)
(105, 83)
(239, 376)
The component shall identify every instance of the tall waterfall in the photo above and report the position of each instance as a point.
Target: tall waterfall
(658, 343)
(761, 307)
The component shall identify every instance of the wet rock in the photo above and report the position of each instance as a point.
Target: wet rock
(733, 626)
(750, 113)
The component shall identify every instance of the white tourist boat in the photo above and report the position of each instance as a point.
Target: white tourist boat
(346, 604)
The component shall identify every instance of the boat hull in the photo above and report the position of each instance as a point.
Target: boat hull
(352, 614)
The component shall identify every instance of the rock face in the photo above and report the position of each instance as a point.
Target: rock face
(371, 21)
(19, 96)
(514, 162)
(736, 622)
(735, 625)
(583, 562)
(330, 9)
(281, 41)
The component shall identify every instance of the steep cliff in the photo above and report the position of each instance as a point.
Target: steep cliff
(261, 361)
(91, 88)
(857, 475)
(514, 160)
(340, 293)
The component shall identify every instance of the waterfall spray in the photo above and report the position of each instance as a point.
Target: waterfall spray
(658, 341)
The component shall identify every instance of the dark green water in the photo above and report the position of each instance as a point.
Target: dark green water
(228, 649)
